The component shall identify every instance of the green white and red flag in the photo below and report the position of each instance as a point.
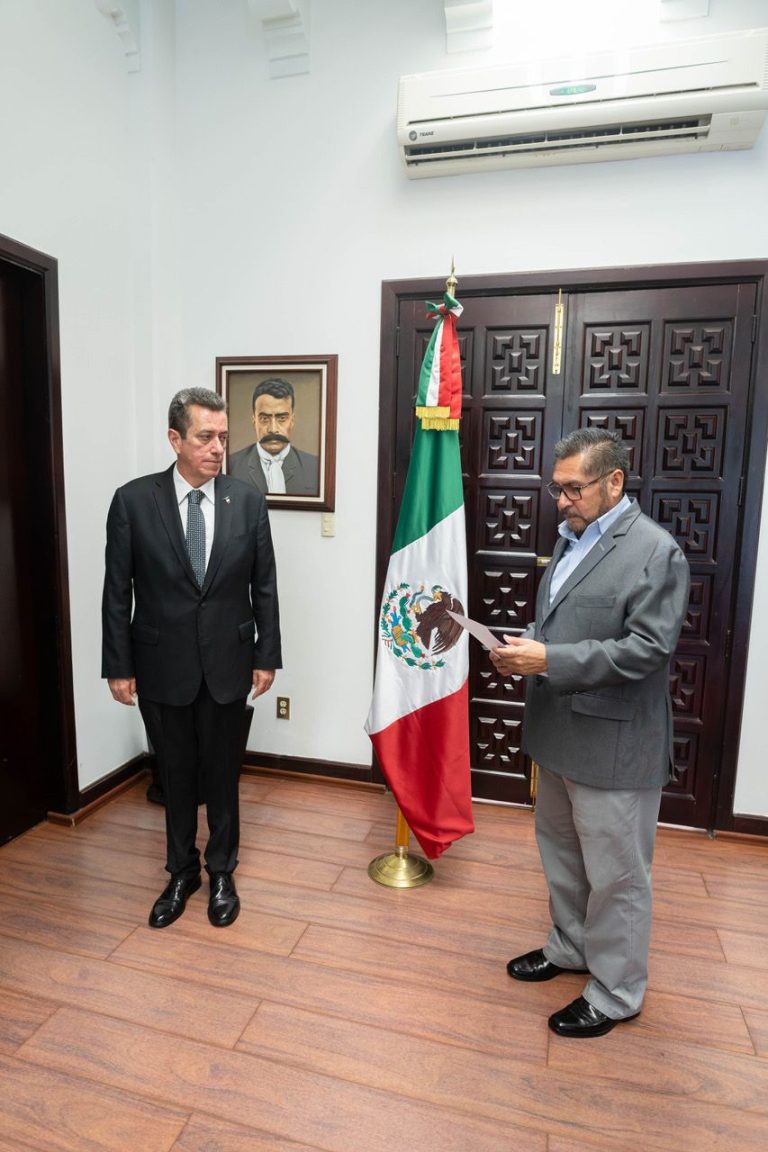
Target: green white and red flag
(419, 717)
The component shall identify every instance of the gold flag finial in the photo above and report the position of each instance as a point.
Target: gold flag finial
(452, 283)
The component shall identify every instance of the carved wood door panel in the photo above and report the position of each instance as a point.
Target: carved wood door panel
(669, 369)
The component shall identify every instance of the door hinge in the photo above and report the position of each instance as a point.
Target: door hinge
(397, 342)
(728, 640)
(741, 492)
(754, 328)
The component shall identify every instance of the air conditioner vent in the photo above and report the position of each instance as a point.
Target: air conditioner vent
(610, 134)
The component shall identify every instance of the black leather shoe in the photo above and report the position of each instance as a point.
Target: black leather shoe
(535, 967)
(172, 900)
(582, 1019)
(224, 904)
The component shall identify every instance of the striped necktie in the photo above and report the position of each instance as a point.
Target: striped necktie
(196, 534)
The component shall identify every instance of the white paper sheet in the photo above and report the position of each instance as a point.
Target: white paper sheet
(479, 631)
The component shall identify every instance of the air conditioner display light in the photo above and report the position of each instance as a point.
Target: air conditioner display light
(573, 89)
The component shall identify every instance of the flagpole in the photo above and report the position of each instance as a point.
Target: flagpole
(438, 409)
(452, 283)
(399, 869)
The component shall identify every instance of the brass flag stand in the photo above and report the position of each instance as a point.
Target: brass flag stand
(398, 869)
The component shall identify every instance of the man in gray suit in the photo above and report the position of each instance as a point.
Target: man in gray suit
(272, 463)
(598, 722)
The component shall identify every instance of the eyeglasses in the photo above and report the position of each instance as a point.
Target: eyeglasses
(573, 491)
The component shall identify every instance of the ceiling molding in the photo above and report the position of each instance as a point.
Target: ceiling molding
(468, 25)
(285, 25)
(124, 15)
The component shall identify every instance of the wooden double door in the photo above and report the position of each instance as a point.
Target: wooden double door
(668, 368)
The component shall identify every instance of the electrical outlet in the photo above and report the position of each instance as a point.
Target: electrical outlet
(283, 708)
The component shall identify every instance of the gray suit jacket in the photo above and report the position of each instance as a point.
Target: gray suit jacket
(301, 471)
(602, 715)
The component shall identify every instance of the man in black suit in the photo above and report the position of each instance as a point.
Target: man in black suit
(272, 463)
(190, 552)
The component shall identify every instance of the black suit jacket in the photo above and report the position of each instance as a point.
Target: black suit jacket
(300, 469)
(178, 633)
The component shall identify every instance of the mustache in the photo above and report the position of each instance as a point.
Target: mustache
(275, 437)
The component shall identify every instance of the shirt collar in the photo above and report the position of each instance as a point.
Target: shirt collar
(598, 527)
(183, 487)
(270, 458)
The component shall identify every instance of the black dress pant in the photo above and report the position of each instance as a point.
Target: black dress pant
(198, 743)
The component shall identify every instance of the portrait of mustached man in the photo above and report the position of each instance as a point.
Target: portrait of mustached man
(272, 463)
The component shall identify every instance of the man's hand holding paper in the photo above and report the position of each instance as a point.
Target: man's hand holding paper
(517, 656)
(520, 657)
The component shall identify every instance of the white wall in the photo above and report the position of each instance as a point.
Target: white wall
(199, 208)
(69, 187)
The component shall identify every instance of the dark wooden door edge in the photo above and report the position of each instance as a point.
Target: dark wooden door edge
(46, 267)
(586, 279)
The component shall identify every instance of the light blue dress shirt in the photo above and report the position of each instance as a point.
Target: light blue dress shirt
(580, 546)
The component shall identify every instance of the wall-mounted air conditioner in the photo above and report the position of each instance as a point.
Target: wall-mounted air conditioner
(706, 95)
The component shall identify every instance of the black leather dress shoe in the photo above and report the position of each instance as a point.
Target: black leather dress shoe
(224, 904)
(535, 967)
(582, 1019)
(172, 900)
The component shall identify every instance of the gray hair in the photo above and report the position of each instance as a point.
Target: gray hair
(604, 451)
(178, 413)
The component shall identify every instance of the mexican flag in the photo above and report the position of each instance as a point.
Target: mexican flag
(419, 718)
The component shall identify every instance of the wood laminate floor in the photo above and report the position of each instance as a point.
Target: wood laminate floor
(337, 1015)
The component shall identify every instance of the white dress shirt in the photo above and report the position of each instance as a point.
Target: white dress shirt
(272, 467)
(207, 505)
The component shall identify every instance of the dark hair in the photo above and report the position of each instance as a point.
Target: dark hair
(604, 451)
(277, 388)
(178, 412)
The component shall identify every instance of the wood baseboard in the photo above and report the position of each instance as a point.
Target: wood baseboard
(103, 791)
(303, 766)
(751, 825)
(255, 764)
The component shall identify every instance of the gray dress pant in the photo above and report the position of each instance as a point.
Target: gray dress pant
(596, 847)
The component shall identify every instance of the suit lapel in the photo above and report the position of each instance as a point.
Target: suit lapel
(290, 465)
(597, 553)
(222, 527)
(557, 553)
(601, 549)
(255, 470)
(168, 507)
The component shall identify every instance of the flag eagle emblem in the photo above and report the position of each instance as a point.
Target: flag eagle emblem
(415, 625)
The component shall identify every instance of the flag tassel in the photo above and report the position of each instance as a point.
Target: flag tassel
(399, 869)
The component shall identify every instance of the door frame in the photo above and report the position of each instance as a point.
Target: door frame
(607, 279)
(63, 776)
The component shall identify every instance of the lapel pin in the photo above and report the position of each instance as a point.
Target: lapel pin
(226, 499)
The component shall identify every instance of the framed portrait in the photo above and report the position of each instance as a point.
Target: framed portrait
(282, 426)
